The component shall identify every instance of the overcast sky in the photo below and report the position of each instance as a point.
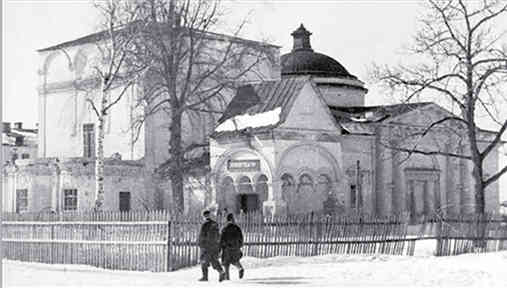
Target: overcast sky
(356, 33)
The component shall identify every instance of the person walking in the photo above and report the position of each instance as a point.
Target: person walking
(209, 244)
(231, 241)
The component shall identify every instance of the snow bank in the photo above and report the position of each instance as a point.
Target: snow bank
(243, 121)
(470, 270)
(425, 247)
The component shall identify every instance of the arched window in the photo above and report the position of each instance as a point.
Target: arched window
(324, 185)
(245, 185)
(227, 191)
(329, 201)
(288, 185)
(305, 183)
(80, 61)
(261, 187)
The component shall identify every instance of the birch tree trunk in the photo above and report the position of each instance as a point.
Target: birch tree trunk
(99, 154)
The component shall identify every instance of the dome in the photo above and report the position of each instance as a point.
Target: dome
(302, 60)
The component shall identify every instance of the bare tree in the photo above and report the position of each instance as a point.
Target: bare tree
(461, 60)
(192, 69)
(112, 68)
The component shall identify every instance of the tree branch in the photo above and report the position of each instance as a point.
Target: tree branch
(495, 177)
(93, 106)
(496, 140)
(427, 153)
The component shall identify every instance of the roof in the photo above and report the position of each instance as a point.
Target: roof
(264, 97)
(356, 120)
(305, 62)
(302, 60)
(29, 136)
(94, 37)
(371, 114)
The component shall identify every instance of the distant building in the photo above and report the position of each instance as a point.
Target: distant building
(18, 142)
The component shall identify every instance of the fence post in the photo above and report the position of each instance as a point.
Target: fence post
(317, 239)
(440, 243)
(169, 242)
(52, 238)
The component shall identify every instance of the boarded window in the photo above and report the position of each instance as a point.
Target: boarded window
(21, 200)
(70, 199)
(124, 201)
(88, 140)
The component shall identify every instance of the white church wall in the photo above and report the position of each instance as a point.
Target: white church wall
(342, 95)
(359, 148)
(309, 111)
(46, 180)
(451, 179)
(491, 167)
(313, 158)
(63, 108)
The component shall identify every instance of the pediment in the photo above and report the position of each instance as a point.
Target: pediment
(309, 111)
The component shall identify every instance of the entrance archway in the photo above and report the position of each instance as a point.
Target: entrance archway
(251, 173)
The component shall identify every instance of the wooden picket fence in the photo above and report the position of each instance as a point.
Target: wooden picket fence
(158, 241)
(471, 234)
(300, 235)
(108, 243)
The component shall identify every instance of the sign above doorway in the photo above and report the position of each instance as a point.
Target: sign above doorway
(243, 165)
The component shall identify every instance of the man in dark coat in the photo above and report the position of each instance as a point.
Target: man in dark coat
(209, 244)
(231, 241)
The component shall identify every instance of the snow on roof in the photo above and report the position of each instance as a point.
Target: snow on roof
(243, 121)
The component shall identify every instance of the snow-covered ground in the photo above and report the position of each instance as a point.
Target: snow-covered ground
(478, 270)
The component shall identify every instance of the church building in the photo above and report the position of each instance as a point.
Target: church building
(308, 142)
(303, 140)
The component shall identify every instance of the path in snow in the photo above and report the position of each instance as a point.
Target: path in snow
(478, 270)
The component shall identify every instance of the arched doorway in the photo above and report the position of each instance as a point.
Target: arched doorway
(247, 199)
(326, 195)
(288, 190)
(251, 172)
(227, 192)
(262, 188)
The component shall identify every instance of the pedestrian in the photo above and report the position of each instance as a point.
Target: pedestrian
(231, 241)
(210, 248)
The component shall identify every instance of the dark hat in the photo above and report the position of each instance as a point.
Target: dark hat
(230, 217)
(206, 213)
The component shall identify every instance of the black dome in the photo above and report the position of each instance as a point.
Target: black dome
(312, 63)
(303, 61)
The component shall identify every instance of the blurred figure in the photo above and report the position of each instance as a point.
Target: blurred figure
(209, 244)
(231, 241)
